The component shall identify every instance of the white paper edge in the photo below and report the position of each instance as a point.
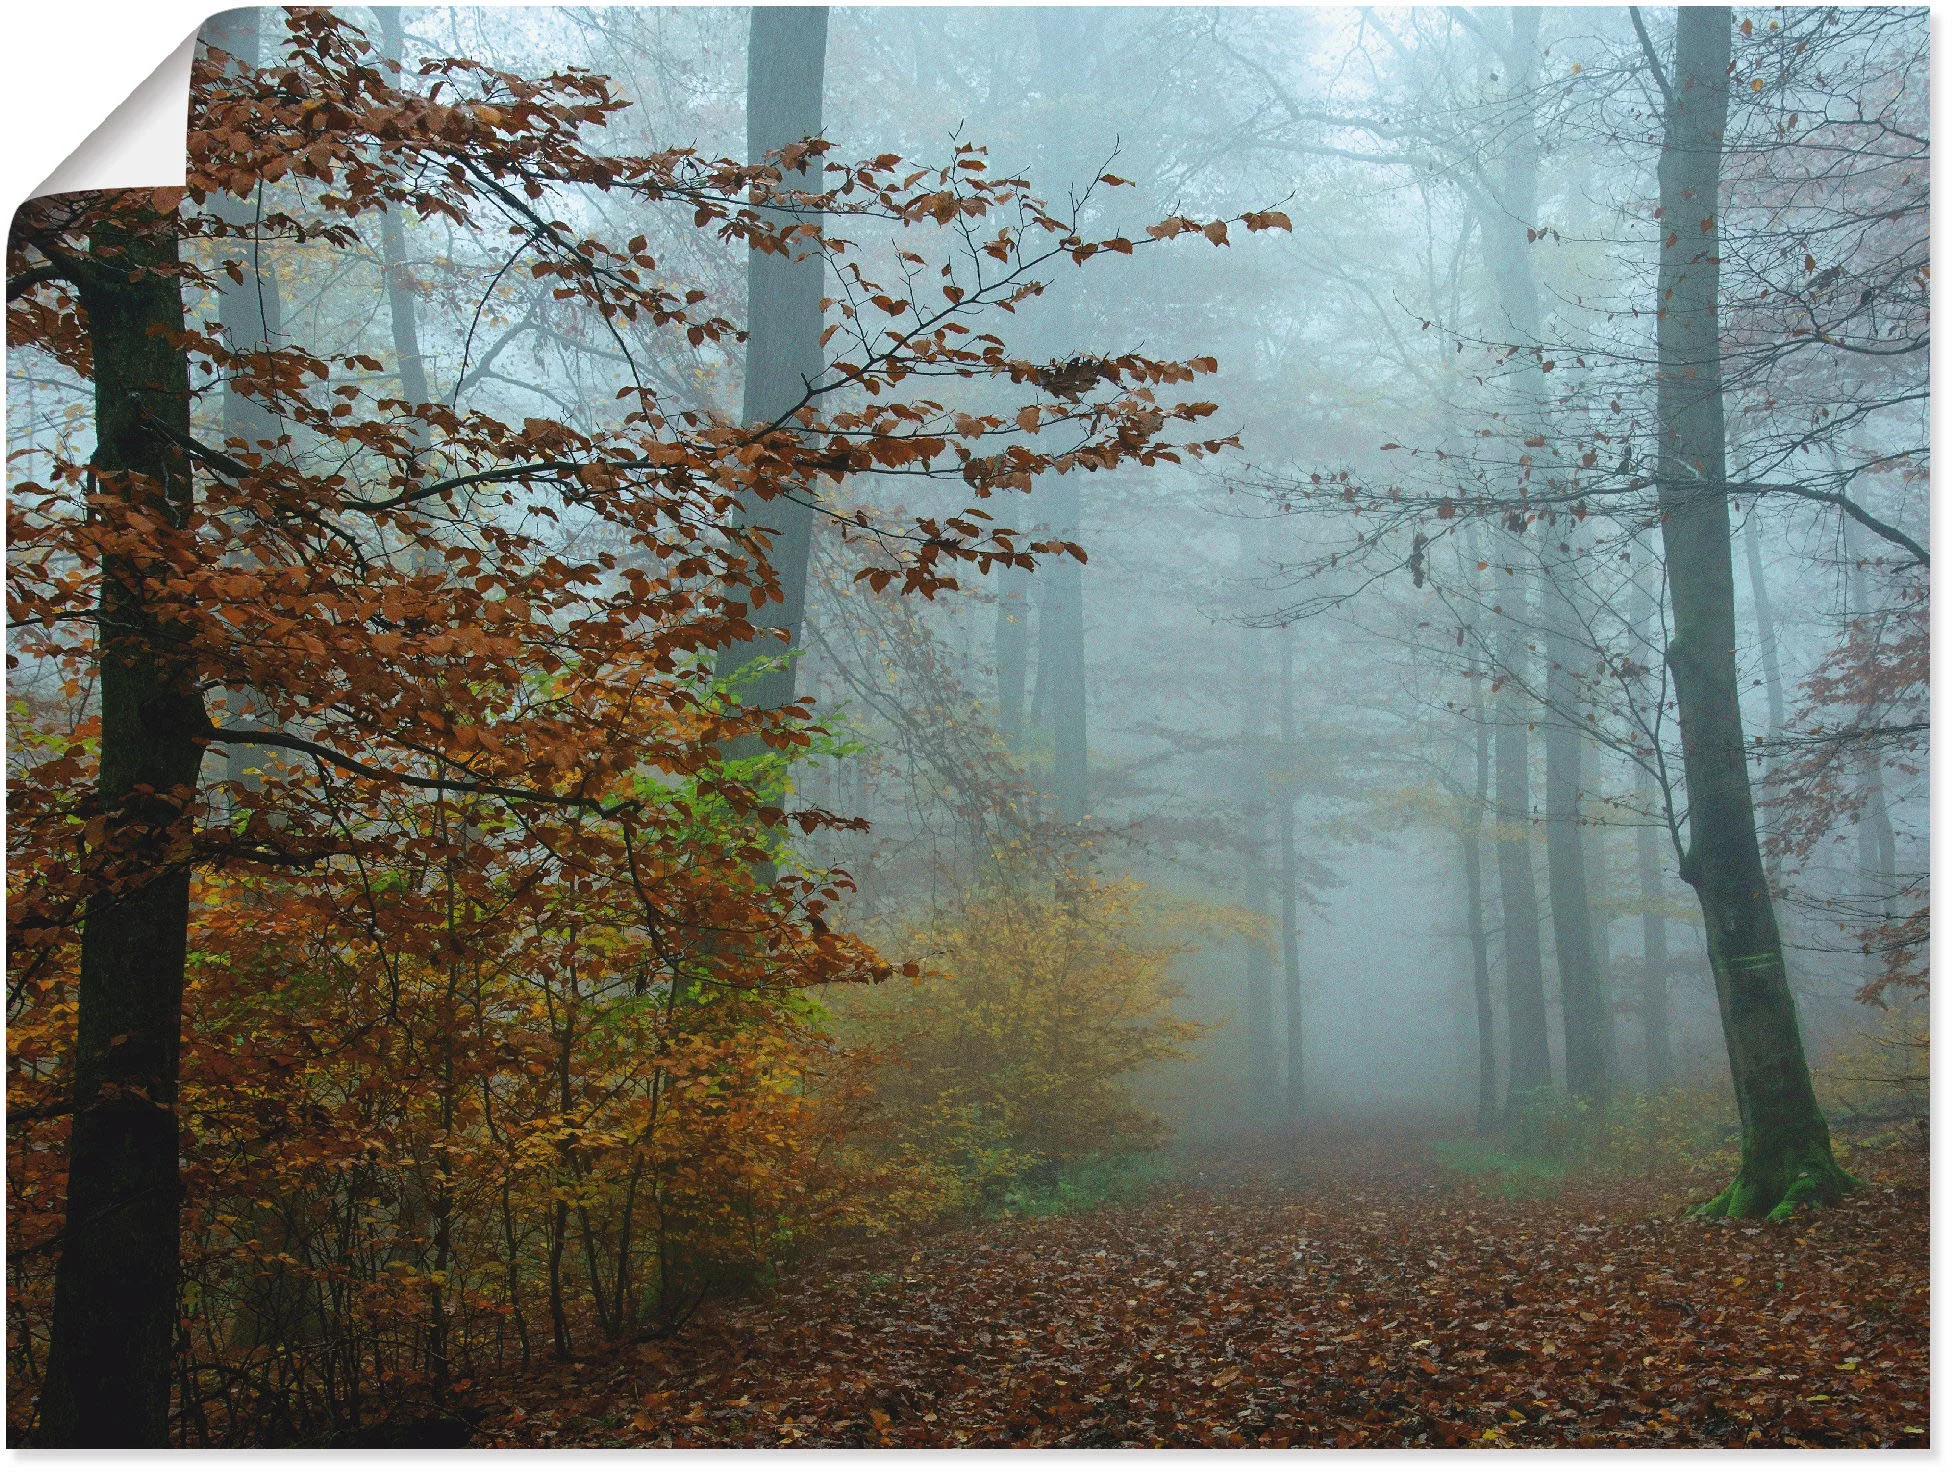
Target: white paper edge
(143, 144)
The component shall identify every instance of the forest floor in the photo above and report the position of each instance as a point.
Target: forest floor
(1331, 1290)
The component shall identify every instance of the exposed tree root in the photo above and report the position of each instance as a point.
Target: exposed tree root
(1775, 1191)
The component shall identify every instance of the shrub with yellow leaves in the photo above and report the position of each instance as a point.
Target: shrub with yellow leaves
(1019, 1046)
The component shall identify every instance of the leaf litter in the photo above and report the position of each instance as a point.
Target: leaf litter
(1349, 1294)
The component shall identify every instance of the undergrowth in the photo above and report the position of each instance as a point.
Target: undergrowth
(1081, 1185)
(1551, 1139)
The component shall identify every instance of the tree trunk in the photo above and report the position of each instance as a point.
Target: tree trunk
(1518, 892)
(1283, 794)
(1060, 660)
(249, 310)
(250, 313)
(1507, 209)
(401, 306)
(1012, 651)
(1786, 1158)
(1256, 878)
(1656, 1027)
(1473, 855)
(1064, 37)
(1256, 894)
(1765, 630)
(114, 1324)
(786, 62)
(1582, 997)
(1657, 1045)
(1877, 841)
(1772, 670)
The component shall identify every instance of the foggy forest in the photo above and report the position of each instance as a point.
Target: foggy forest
(1003, 727)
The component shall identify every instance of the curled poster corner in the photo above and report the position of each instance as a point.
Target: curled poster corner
(142, 144)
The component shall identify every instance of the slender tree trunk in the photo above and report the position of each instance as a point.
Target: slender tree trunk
(1657, 1043)
(401, 305)
(1786, 1158)
(1256, 893)
(1509, 221)
(1765, 630)
(1060, 660)
(1518, 892)
(250, 313)
(115, 1286)
(248, 310)
(1772, 670)
(1877, 841)
(1263, 1095)
(1283, 794)
(1507, 209)
(1582, 997)
(786, 62)
(1471, 831)
(1472, 839)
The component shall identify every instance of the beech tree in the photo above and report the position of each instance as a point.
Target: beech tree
(1786, 1157)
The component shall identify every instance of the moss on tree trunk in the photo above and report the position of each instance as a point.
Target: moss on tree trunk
(1786, 1159)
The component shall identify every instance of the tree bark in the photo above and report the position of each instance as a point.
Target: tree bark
(1257, 889)
(1786, 1157)
(1877, 840)
(1507, 210)
(786, 62)
(1657, 1045)
(1656, 1027)
(1582, 997)
(114, 1321)
(1471, 839)
(1772, 670)
(1283, 794)
(402, 308)
(1064, 37)
(1518, 891)
(250, 313)
(1257, 895)
(1060, 660)
(1012, 652)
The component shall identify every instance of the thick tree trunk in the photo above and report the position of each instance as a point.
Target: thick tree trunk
(1786, 1158)
(114, 1324)
(1064, 37)
(786, 62)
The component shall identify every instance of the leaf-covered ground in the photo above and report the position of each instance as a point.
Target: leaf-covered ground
(1340, 1299)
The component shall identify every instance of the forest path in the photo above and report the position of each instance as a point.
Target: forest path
(1315, 1292)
